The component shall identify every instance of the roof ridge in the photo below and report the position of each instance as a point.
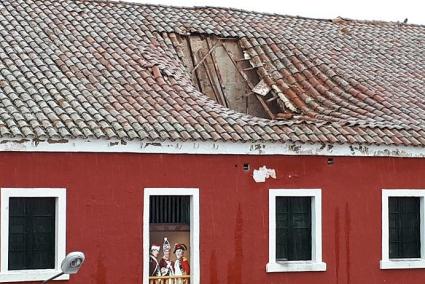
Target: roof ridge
(195, 7)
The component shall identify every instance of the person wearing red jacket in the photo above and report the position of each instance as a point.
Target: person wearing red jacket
(153, 261)
(181, 265)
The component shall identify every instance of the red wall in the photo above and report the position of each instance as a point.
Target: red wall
(105, 205)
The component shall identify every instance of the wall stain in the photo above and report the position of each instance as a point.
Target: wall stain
(347, 240)
(100, 275)
(213, 268)
(229, 273)
(238, 246)
(234, 269)
(336, 246)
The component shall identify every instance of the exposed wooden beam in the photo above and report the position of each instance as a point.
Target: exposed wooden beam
(250, 84)
(244, 76)
(220, 79)
(205, 57)
(271, 99)
(192, 57)
(211, 80)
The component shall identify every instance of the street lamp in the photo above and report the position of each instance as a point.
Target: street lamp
(70, 265)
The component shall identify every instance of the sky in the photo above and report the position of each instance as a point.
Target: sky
(389, 10)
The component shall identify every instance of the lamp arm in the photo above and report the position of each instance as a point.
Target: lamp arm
(53, 277)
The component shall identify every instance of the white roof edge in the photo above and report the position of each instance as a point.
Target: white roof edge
(209, 147)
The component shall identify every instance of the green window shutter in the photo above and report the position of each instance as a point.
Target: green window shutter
(404, 227)
(293, 228)
(31, 233)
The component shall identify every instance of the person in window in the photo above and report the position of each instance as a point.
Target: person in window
(181, 265)
(153, 261)
(166, 265)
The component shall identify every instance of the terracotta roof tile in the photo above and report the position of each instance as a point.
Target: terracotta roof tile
(66, 75)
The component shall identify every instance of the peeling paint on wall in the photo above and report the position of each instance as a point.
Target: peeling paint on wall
(263, 173)
(209, 148)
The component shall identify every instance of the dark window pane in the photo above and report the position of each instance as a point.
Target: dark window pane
(301, 245)
(172, 209)
(17, 259)
(293, 228)
(281, 243)
(404, 227)
(17, 207)
(18, 225)
(42, 224)
(31, 233)
(41, 259)
(18, 244)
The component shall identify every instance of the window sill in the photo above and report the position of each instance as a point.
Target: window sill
(405, 263)
(31, 275)
(295, 266)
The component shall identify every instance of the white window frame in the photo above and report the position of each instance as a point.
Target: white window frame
(316, 263)
(401, 263)
(194, 229)
(7, 275)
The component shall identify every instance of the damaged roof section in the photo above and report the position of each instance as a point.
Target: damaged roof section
(220, 69)
(106, 70)
(276, 79)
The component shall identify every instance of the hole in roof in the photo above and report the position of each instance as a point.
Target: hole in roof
(222, 70)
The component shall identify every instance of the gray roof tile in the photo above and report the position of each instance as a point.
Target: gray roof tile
(69, 75)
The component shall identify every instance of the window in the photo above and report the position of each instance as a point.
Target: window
(295, 230)
(172, 209)
(31, 233)
(171, 235)
(33, 226)
(402, 229)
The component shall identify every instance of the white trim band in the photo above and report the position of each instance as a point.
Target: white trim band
(194, 229)
(402, 263)
(295, 266)
(208, 147)
(31, 275)
(7, 275)
(316, 263)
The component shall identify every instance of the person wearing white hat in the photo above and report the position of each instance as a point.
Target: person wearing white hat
(153, 261)
(166, 264)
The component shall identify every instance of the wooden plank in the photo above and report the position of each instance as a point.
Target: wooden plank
(271, 99)
(234, 85)
(195, 78)
(204, 57)
(211, 80)
(197, 44)
(250, 84)
(265, 106)
(244, 76)
(217, 71)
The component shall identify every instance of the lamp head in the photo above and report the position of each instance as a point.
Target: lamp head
(72, 262)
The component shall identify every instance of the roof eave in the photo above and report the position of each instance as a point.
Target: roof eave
(209, 148)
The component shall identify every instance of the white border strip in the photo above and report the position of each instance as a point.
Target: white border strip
(7, 275)
(407, 263)
(194, 228)
(209, 147)
(316, 263)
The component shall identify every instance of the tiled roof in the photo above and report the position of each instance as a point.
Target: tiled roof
(85, 69)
